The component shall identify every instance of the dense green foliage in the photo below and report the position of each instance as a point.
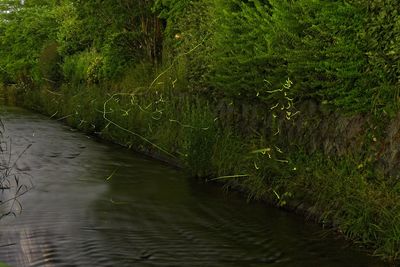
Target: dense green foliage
(19, 45)
(130, 69)
(344, 53)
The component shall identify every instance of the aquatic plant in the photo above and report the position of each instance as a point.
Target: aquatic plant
(13, 183)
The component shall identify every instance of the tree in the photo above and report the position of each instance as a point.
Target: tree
(24, 34)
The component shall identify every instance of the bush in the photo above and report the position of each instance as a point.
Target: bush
(319, 45)
(241, 61)
(84, 67)
(188, 46)
(123, 50)
(22, 40)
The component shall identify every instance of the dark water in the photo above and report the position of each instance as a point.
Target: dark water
(145, 214)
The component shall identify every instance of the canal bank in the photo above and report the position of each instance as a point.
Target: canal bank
(97, 204)
(334, 169)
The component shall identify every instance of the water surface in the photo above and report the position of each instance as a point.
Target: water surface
(97, 204)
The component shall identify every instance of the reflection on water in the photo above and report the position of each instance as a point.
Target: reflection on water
(96, 204)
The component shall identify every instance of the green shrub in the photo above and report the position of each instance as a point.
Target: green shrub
(123, 50)
(188, 46)
(23, 36)
(84, 67)
(241, 60)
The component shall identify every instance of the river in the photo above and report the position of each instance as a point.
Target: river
(97, 204)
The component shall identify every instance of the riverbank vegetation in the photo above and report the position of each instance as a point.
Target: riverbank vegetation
(292, 101)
